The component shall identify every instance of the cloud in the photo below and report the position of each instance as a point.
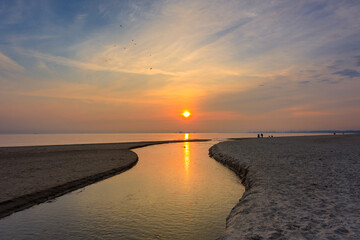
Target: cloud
(330, 81)
(244, 59)
(7, 64)
(310, 113)
(305, 82)
(17, 39)
(357, 61)
(92, 66)
(313, 7)
(348, 73)
(224, 32)
(254, 100)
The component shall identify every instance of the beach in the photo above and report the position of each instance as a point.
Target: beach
(296, 187)
(35, 174)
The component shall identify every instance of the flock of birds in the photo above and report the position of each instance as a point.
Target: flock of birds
(133, 42)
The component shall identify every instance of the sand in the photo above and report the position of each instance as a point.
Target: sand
(296, 187)
(32, 175)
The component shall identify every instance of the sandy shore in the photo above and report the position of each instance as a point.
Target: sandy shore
(296, 187)
(32, 175)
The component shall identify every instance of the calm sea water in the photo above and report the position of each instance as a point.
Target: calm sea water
(60, 139)
(174, 192)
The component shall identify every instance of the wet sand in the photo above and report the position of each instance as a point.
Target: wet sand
(32, 175)
(296, 187)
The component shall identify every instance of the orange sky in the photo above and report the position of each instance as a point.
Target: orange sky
(237, 66)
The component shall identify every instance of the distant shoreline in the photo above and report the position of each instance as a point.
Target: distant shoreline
(296, 187)
(30, 175)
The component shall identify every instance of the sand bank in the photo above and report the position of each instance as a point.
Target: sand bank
(296, 187)
(32, 175)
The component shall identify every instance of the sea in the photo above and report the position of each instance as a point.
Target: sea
(175, 191)
(11, 140)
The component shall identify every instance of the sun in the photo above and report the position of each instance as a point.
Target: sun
(186, 114)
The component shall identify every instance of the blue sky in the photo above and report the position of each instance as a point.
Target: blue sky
(113, 66)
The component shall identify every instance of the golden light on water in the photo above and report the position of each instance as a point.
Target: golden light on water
(186, 136)
(186, 114)
(186, 157)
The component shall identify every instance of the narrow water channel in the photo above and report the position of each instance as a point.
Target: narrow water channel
(174, 192)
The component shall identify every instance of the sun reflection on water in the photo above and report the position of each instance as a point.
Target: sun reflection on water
(169, 193)
(186, 136)
(186, 157)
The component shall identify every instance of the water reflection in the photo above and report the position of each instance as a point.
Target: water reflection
(186, 136)
(172, 193)
(186, 157)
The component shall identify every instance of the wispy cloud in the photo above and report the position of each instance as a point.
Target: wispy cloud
(8, 64)
(357, 61)
(93, 66)
(251, 61)
(348, 73)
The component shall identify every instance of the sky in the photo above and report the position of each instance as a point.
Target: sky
(135, 66)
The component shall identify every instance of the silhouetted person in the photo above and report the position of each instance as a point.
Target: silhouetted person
(258, 135)
(262, 135)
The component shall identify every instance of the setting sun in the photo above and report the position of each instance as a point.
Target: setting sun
(186, 114)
